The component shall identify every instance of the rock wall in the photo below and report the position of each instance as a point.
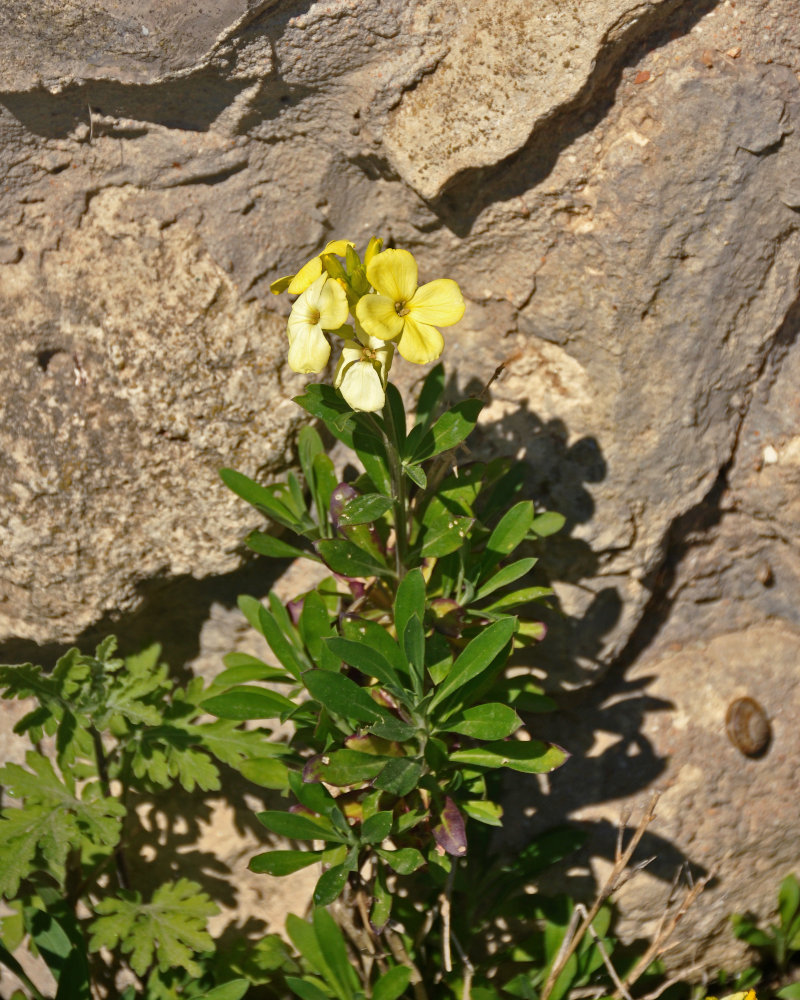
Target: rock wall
(616, 186)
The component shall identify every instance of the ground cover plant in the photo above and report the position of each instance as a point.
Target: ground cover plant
(406, 725)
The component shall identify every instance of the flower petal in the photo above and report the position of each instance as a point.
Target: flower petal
(308, 349)
(419, 342)
(339, 247)
(362, 387)
(332, 305)
(308, 272)
(393, 273)
(351, 352)
(439, 303)
(377, 315)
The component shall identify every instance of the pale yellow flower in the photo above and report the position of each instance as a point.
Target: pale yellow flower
(404, 313)
(362, 371)
(322, 306)
(309, 272)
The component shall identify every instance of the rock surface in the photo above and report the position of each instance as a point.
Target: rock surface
(615, 186)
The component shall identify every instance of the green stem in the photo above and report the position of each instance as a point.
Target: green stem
(399, 494)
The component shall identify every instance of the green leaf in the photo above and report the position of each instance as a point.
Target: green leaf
(266, 772)
(788, 899)
(330, 884)
(326, 404)
(349, 767)
(491, 721)
(416, 474)
(283, 862)
(341, 696)
(368, 660)
(445, 536)
(369, 633)
(348, 559)
(511, 529)
(252, 669)
(263, 498)
(247, 702)
(476, 657)
(264, 622)
(399, 776)
(405, 861)
(547, 523)
(324, 483)
(382, 900)
(409, 600)
(234, 989)
(314, 624)
(300, 827)
(365, 509)
(57, 936)
(483, 811)
(449, 430)
(275, 548)
(334, 952)
(508, 574)
(377, 828)
(790, 992)
(516, 598)
(305, 990)
(392, 984)
(414, 648)
(169, 930)
(532, 757)
(53, 820)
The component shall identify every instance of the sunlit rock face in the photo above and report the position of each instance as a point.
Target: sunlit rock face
(614, 184)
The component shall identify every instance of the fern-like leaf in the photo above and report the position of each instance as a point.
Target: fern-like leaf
(169, 930)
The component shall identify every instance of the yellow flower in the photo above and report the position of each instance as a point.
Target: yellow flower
(404, 313)
(309, 272)
(323, 305)
(362, 371)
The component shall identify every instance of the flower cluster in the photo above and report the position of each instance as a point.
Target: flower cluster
(388, 308)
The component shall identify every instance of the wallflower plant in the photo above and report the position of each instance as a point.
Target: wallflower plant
(391, 673)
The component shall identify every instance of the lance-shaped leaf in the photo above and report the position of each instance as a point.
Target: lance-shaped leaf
(265, 622)
(300, 827)
(510, 530)
(247, 702)
(477, 657)
(330, 884)
(483, 811)
(508, 574)
(429, 396)
(532, 757)
(241, 667)
(368, 660)
(369, 633)
(392, 984)
(445, 536)
(450, 834)
(405, 861)
(364, 509)
(344, 767)
(281, 863)
(275, 548)
(491, 721)
(270, 500)
(449, 430)
(348, 559)
(399, 776)
(409, 600)
(341, 696)
(547, 523)
(377, 828)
